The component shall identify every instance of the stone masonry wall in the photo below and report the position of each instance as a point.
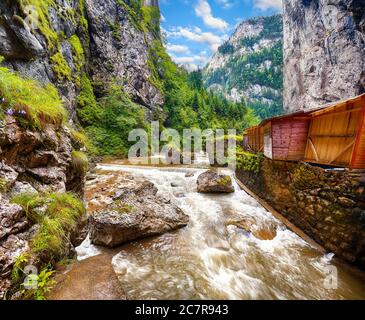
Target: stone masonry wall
(328, 205)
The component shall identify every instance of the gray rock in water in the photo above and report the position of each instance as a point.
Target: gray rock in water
(212, 182)
(138, 212)
(189, 174)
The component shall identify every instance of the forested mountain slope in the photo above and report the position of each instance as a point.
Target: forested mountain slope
(249, 66)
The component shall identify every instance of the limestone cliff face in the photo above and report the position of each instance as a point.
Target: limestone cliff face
(39, 41)
(324, 51)
(119, 51)
(60, 42)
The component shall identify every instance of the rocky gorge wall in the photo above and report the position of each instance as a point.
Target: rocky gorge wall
(328, 205)
(32, 164)
(60, 41)
(324, 51)
(48, 44)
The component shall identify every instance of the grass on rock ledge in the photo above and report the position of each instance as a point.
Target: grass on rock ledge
(57, 216)
(34, 105)
(80, 162)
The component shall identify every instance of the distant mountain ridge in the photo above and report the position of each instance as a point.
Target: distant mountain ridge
(249, 66)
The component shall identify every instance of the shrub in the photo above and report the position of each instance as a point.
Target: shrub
(80, 162)
(43, 280)
(29, 202)
(88, 110)
(249, 161)
(30, 109)
(115, 116)
(116, 29)
(18, 268)
(57, 215)
(80, 138)
(45, 283)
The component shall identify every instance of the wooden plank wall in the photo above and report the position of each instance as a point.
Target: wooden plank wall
(298, 140)
(256, 138)
(281, 132)
(268, 140)
(290, 139)
(332, 136)
(358, 157)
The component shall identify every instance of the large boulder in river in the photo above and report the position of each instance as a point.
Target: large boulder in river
(212, 182)
(137, 212)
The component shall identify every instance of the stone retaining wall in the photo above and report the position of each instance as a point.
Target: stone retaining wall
(328, 205)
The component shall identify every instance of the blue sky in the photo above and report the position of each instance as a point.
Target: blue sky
(195, 28)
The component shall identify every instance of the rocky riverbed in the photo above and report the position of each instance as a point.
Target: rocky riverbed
(231, 248)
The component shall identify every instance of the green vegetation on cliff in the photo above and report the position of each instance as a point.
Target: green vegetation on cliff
(109, 120)
(33, 104)
(256, 74)
(60, 67)
(57, 215)
(189, 105)
(42, 16)
(80, 162)
(247, 161)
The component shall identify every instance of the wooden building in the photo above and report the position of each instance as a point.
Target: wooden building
(337, 134)
(285, 137)
(254, 139)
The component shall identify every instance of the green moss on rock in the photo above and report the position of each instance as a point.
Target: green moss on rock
(3, 185)
(43, 19)
(77, 52)
(60, 67)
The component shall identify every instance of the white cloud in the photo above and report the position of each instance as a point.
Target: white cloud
(183, 60)
(197, 35)
(199, 59)
(268, 4)
(226, 4)
(177, 48)
(204, 11)
(191, 67)
(191, 63)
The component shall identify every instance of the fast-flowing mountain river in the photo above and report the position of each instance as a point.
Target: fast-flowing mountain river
(211, 259)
